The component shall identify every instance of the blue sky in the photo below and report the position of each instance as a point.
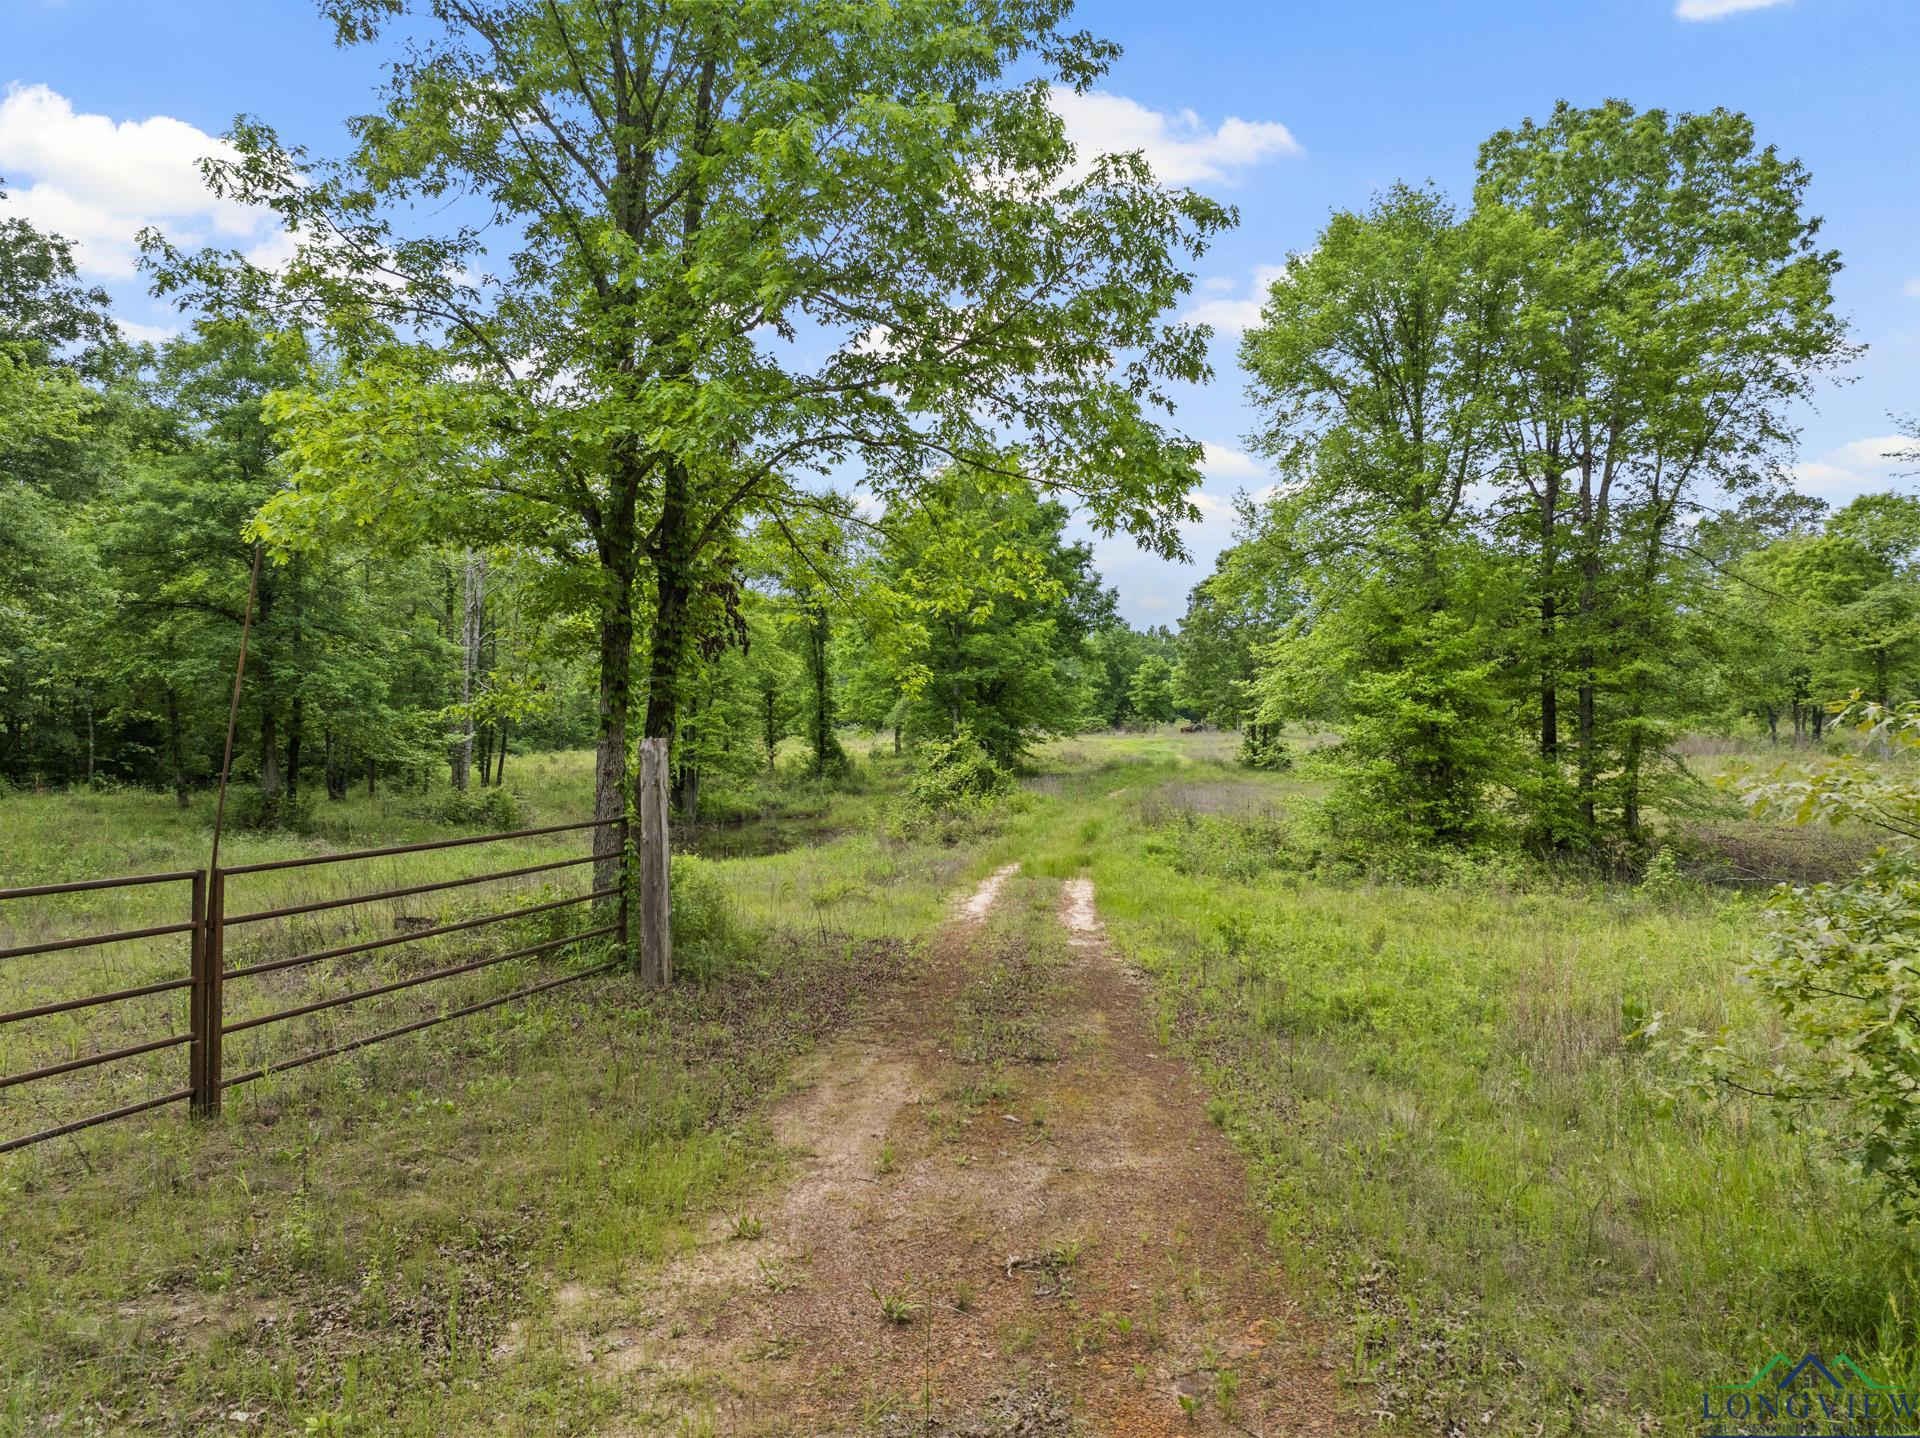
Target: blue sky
(1286, 109)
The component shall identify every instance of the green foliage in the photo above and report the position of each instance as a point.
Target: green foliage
(709, 937)
(1117, 655)
(1264, 746)
(1839, 964)
(494, 810)
(1229, 615)
(1396, 638)
(1663, 877)
(276, 811)
(991, 610)
(955, 776)
(602, 370)
(1495, 431)
(1150, 691)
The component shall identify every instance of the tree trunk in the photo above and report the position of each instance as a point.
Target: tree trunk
(296, 732)
(337, 770)
(610, 786)
(473, 598)
(672, 555)
(690, 792)
(819, 671)
(373, 774)
(686, 774)
(269, 753)
(1549, 622)
(176, 751)
(656, 919)
(619, 559)
(500, 763)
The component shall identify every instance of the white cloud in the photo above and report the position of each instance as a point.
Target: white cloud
(1719, 9)
(147, 334)
(1218, 509)
(1225, 463)
(1911, 289)
(97, 181)
(1231, 316)
(1179, 147)
(1859, 467)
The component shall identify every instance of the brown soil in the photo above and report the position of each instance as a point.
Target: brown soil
(1073, 1251)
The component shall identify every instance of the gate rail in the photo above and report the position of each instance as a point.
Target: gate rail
(207, 924)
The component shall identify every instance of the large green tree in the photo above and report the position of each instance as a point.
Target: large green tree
(731, 244)
(1372, 366)
(1675, 307)
(993, 608)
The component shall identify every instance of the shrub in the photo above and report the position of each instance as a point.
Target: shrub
(1223, 846)
(956, 775)
(1261, 747)
(1840, 965)
(250, 809)
(1663, 877)
(475, 807)
(708, 936)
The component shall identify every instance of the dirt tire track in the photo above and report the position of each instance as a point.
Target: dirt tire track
(1106, 1254)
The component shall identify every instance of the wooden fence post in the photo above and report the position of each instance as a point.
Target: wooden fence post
(656, 929)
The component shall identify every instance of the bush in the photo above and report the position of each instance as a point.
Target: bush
(1261, 747)
(956, 776)
(1840, 964)
(1663, 877)
(954, 789)
(471, 808)
(708, 936)
(1223, 846)
(249, 809)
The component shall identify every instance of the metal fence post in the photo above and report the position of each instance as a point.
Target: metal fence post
(626, 881)
(197, 995)
(210, 1012)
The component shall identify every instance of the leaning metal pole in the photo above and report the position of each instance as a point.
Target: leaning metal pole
(210, 904)
(233, 711)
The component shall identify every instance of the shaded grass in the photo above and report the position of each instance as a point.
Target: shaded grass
(354, 1245)
(347, 1250)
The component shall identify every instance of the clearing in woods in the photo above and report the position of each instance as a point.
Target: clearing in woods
(1007, 1214)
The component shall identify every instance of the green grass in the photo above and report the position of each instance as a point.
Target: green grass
(371, 1244)
(1502, 1204)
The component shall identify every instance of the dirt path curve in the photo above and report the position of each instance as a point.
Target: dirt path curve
(1060, 1245)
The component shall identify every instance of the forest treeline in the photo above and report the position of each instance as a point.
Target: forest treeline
(133, 472)
(1532, 522)
(1533, 518)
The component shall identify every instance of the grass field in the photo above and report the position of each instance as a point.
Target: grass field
(1512, 1215)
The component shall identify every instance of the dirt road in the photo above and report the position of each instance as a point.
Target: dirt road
(1006, 1214)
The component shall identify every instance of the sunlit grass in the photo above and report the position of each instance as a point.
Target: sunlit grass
(1502, 1201)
